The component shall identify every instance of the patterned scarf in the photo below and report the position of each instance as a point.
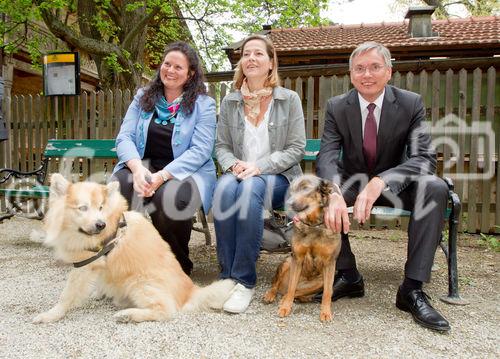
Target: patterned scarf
(167, 112)
(252, 100)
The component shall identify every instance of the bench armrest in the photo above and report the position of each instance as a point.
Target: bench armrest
(449, 183)
(39, 173)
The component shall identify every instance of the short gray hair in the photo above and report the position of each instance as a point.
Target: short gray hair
(371, 45)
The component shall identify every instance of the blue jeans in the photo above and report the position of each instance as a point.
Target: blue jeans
(238, 217)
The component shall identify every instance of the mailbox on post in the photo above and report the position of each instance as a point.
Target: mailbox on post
(61, 74)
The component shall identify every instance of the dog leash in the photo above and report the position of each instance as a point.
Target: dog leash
(108, 245)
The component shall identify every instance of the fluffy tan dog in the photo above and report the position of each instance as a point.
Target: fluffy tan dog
(140, 272)
(315, 249)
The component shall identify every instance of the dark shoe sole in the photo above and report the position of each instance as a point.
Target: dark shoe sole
(356, 294)
(420, 322)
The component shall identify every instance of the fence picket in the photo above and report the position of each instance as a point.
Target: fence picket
(462, 114)
(310, 115)
(396, 79)
(473, 185)
(324, 94)
(488, 161)
(448, 111)
(410, 78)
(29, 133)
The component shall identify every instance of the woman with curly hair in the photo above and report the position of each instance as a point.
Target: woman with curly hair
(164, 148)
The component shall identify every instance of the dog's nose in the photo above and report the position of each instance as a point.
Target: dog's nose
(100, 225)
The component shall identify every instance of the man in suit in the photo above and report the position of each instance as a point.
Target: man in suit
(376, 149)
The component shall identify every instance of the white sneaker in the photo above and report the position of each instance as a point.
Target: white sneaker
(239, 300)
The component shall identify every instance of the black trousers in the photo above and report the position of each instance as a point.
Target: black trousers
(427, 199)
(171, 209)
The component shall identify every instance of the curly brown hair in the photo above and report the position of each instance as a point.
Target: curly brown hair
(192, 88)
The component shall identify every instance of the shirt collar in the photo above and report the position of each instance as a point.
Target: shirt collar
(378, 102)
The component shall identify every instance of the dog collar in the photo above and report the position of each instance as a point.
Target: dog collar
(297, 219)
(107, 245)
(312, 225)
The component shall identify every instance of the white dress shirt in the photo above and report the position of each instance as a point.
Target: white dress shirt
(363, 104)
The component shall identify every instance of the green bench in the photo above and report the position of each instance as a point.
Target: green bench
(31, 185)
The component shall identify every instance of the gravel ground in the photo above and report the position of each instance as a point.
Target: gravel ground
(31, 280)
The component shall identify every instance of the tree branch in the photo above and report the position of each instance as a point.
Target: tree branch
(139, 27)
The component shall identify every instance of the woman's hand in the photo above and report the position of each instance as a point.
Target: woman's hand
(141, 177)
(244, 170)
(156, 182)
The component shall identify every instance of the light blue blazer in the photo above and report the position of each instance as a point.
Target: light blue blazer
(192, 145)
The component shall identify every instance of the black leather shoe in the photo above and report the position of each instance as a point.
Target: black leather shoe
(416, 302)
(343, 288)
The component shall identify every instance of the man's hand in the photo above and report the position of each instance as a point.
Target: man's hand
(244, 170)
(336, 217)
(366, 198)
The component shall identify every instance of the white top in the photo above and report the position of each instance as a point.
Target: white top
(256, 139)
(363, 104)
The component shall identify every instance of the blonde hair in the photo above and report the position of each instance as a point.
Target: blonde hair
(273, 78)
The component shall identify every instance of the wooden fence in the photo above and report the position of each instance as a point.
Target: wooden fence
(466, 95)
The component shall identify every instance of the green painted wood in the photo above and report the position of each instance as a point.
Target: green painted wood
(312, 149)
(34, 192)
(81, 148)
(393, 212)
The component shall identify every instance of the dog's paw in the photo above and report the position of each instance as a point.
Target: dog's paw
(284, 310)
(269, 297)
(38, 236)
(325, 316)
(46, 317)
(123, 316)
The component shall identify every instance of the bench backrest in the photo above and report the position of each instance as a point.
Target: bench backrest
(80, 148)
(312, 149)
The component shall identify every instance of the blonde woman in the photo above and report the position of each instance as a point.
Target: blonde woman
(260, 142)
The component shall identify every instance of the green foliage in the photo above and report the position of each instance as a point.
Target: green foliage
(492, 241)
(112, 32)
(113, 64)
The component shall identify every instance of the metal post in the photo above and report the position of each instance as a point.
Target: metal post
(453, 295)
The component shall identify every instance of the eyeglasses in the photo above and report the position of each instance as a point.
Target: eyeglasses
(373, 69)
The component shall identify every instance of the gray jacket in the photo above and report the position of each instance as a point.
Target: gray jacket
(286, 134)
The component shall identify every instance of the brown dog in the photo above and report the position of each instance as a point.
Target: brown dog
(315, 249)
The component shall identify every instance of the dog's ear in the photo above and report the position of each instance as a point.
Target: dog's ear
(325, 187)
(58, 185)
(113, 187)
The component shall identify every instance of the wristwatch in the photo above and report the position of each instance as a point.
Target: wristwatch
(163, 176)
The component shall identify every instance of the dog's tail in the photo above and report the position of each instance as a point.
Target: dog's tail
(212, 296)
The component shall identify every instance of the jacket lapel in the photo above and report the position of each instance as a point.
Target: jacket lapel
(388, 121)
(353, 116)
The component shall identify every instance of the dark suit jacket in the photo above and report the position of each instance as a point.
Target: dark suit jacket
(403, 145)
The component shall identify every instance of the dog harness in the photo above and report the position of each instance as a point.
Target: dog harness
(107, 245)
